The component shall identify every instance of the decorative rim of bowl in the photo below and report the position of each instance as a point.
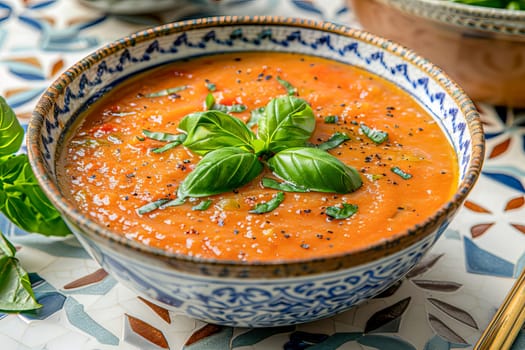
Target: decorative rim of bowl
(485, 19)
(260, 269)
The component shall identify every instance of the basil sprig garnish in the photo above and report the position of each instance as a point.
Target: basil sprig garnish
(315, 170)
(342, 212)
(23, 202)
(211, 130)
(290, 89)
(288, 121)
(220, 171)
(16, 293)
(234, 155)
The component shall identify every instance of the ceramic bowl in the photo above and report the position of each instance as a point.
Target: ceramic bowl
(482, 49)
(254, 294)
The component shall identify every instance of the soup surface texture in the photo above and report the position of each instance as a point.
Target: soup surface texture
(109, 170)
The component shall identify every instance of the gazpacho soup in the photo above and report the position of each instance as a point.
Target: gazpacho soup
(257, 157)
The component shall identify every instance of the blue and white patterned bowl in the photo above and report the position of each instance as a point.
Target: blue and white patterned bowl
(254, 294)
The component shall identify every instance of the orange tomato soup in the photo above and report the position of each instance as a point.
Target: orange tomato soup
(108, 168)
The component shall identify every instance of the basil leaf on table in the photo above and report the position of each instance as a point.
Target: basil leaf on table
(219, 171)
(15, 287)
(335, 140)
(23, 201)
(315, 170)
(11, 132)
(266, 207)
(345, 211)
(210, 130)
(288, 121)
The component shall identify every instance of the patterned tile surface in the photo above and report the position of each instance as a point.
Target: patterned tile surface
(444, 303)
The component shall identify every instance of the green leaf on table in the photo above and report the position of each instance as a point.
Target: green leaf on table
(23, 201)
(15, 287)
(314, 170)
(219, 171)
(288, 121)
(11, 132)
(211, 130)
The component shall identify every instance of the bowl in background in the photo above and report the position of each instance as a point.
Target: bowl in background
(482, 49)
(257, 294)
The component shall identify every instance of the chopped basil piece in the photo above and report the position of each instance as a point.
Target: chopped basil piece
(396, 170)
(375, 135)
(202, 205)
(283, 186)
(335, 140)
(212, 105)
(290, 89)
(166, 147)
(151, 206)
(266, 207)
(255, 115)
(167, 92)
(331, 119)
(173, 203)
(211, 87)
(345, 211)
(164, 136)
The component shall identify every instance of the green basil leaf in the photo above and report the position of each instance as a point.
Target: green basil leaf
(164, 136)
(344, 211)
(173, 203)
(255, 115)
(265, 207)
(288, 121)
(24, 203)
(16, 293)
(212, 105)
(11, 132)
(210, 130)
(219, 171)
(377, 136)
(290, 89)
(335, 140)
(331, 119)
(282, 186)
(203, 205)
(211, 86)
(315, 170)
(404, 175)
(166, 92)
(151, 206)
(166, 147)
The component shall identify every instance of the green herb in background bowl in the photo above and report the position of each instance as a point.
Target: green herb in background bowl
(502, 4)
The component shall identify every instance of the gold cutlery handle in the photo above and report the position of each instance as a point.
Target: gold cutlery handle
(506, 323)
